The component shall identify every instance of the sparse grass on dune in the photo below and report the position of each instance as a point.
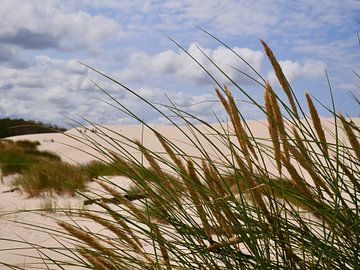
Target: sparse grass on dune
(52, 177)
(98, 168)
(42, 171)
(18, 156)
(229, 209)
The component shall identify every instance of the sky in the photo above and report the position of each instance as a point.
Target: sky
(45, 44)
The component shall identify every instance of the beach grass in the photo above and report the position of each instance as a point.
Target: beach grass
(289, 201)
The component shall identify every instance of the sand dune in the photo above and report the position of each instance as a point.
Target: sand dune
(72, 147)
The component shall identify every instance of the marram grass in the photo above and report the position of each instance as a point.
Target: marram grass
(229, 210)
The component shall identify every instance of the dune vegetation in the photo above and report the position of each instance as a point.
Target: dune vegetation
(18, 156)
(38, 172)
(288, 202)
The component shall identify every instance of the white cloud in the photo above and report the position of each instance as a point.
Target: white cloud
(53, 90)
(294, 70)
(46, 24)
(38, 41)
(182, 66)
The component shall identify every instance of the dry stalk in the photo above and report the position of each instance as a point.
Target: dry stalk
(351, 177)
(163, 249)
(256, 195)
(120, 222)
(120, 161)
(190, 181)
(351, 136)
(136, 212)
(116, 230)
(279, 121)
(162, 176)
(309, 168)
(273, 130)
(317, 124)
(231, 241)
(170, 152)
(223, 101)
(216, 182)
(87, 238)
(300, 143)
(299, 182)
(238, 125)
(98, 262)
(281, 77)
(219, 192)
(232, 111)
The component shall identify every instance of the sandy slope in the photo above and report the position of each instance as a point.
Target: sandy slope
(70, 146)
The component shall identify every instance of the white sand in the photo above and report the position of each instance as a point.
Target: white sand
(74, 151)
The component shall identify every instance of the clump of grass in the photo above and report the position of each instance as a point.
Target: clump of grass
(39, 171)
(97, 168)
(18, 156)
(52, 177)
(228, 209)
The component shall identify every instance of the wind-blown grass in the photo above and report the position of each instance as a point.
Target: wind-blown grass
(230, 209)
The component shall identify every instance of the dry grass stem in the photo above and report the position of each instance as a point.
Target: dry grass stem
(162, 176)
(299, 182)
(100, 263)
(191, 185)
(116, 230)
(119, 221)
(300, 143)
(234, 112)
(170, 152)
(308, 166)
(256, 195)
(240, 132)
(279, 121)
(122, 200)
(317, 124)
(350, 175)
(273, 130)
(163, 249)
(281, 77)
(87, 238)
(351, 136)
(223, 101)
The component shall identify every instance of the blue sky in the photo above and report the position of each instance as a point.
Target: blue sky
(41, 43)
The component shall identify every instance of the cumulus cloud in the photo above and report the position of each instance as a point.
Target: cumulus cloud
(46, 24)
(178, 63)
(53, 90)
(233, 17)
(293, 70)
(9, 57)
(39, 39)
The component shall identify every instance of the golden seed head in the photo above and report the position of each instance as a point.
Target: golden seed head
(280, 76)
(351, 136)
(317, 123)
